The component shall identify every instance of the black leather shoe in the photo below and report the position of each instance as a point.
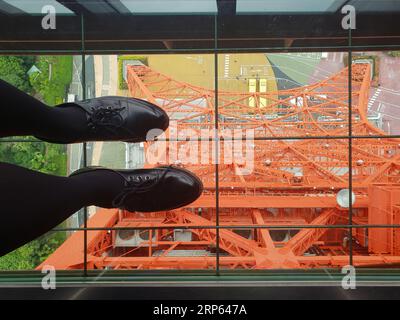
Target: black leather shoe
(118, 119)
(156, 189)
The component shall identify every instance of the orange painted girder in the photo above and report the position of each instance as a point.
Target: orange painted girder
(265, 201)
(319, 109)
(210, 262)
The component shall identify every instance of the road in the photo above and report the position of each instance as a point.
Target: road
(75, 154)
(76, 86)
(327, 67)
(75, 151)
(385, 99)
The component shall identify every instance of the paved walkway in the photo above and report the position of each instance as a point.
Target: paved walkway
(106, 75)
(101, 80)
(386, 98)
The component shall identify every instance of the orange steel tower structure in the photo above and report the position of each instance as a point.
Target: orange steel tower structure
(268, 177)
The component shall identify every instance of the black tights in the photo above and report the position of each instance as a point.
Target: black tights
(23, 115)
(33, 203)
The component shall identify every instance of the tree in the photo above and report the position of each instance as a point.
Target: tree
(14, 71)
(36, 156)
(19, 259)
(32, 254)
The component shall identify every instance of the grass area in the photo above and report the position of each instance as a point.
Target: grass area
(54, 78)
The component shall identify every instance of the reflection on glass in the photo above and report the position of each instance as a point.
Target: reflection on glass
(171, 6)
(36, 7)
(312, 6)
(287, 6)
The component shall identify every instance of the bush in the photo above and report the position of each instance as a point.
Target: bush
(14, 71)
(46, 158)
(32, 254)
(19, 259)
(121, 82)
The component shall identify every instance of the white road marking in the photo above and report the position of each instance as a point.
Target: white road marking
(374, 97)
(390, 116)
(391, 91)
(227, 65)
(389, 104)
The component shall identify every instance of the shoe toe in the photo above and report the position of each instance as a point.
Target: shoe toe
(185, 187)
(178, 189)
(144, 116)
(128, 119)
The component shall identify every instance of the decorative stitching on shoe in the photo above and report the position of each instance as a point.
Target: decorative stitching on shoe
(137, 185)
(108, 118)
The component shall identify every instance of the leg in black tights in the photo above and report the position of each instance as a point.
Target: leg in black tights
(21, 115)
(33, 203)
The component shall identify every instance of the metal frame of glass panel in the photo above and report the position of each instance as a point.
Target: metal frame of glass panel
(87, 274)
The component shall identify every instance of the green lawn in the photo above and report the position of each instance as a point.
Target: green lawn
(53, 80)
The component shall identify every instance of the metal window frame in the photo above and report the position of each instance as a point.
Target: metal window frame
(86, 276)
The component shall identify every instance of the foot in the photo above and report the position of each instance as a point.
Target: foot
(112, 119)
(149, 190)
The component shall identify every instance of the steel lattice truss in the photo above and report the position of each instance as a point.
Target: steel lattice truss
(291, 188)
